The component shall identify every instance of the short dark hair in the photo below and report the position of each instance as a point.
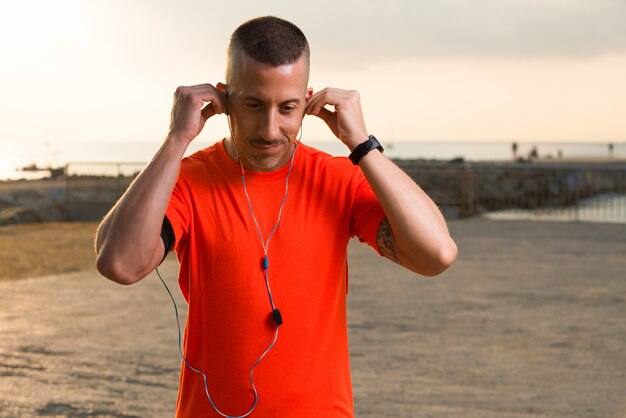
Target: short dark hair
(266, 39)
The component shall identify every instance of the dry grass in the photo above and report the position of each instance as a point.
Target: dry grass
(32, 250)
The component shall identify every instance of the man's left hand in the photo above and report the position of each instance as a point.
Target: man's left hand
(346, 121)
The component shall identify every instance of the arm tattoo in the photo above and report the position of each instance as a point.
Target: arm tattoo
(384, 240)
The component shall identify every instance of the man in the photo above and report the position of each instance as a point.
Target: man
(260, 225)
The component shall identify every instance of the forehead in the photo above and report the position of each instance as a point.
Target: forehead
(264, 81)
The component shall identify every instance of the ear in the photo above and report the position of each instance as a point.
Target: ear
(309, 92)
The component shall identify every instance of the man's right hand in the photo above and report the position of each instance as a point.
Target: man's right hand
(193, 106)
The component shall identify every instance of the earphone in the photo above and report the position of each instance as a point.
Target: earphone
(275, 312)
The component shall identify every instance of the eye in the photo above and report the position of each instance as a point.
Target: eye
(288, 109)
(253, 106)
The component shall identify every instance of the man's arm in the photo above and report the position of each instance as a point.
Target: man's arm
(128, 243)
(414, 233)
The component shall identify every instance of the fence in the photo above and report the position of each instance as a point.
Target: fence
(569, 191)
(93, 188)
(579, 191)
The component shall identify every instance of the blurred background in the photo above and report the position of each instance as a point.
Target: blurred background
(93, 80)
(88, 87)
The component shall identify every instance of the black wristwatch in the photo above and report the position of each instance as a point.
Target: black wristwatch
(363, 148)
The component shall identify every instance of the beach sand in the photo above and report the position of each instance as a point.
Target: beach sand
(529, 322)
(41, 249)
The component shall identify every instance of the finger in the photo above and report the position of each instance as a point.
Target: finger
(219, 99)
(328, 96)
(327, 116)
(316, 103)
(310, 102)
(208, 111)
(330, 118)
(204, 94)
(223, 98)
(216, 99)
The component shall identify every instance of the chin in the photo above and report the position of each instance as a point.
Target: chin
(264, 163)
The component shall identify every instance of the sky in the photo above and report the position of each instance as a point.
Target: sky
(438, 70)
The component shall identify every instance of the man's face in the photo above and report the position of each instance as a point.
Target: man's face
(266, 107)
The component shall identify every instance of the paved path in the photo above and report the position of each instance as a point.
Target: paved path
(530, 322)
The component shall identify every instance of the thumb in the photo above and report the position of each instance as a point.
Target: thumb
(208, 111)
(330, 118)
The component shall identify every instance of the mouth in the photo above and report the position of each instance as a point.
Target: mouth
(267, 147)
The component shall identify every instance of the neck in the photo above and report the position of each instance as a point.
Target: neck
(231, 149)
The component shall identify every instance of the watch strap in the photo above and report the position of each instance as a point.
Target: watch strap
(363, 148)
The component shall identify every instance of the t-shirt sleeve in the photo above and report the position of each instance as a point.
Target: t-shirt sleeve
(367, 214)
(178, 213)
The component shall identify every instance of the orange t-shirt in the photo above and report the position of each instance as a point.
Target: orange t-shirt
(229, 324)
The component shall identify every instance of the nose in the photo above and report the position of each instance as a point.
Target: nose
(270, 128)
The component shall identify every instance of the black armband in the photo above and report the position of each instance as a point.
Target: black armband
(167, 236)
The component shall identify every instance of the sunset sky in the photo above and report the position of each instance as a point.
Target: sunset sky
(495, 70)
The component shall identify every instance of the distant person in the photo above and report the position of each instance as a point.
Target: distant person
(219, 208)
(533, 154)
(611, 149)
(514, 150)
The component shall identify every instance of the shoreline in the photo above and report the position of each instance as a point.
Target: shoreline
(461, 188)
(609, 160)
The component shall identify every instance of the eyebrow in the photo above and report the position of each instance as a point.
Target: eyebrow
(291, 100)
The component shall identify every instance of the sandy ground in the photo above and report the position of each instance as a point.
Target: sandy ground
(41, 249)
(529, 322)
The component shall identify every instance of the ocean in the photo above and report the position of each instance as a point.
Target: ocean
(15, 155)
